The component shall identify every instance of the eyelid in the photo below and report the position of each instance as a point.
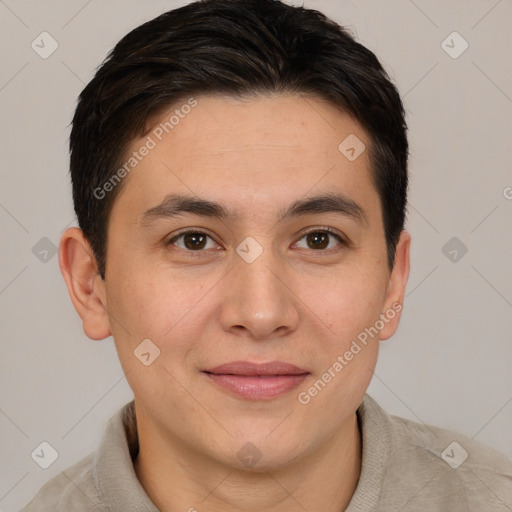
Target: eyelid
(324, 228)
(185, 231)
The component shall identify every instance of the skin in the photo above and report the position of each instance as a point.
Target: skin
(294, 303)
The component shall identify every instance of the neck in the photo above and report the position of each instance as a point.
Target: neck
(179, 479)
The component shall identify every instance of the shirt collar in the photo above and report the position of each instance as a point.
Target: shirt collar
(120, 488)
(113, 471)
(376, 437)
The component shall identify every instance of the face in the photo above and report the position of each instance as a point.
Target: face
(288, 265)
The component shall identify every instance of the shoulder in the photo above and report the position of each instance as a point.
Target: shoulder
(72, 489)
(103, 479)
(450, 450)
(429, 468)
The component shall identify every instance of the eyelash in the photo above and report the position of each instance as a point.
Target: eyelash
(328, 230)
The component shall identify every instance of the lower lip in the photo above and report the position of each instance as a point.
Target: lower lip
(257, 388)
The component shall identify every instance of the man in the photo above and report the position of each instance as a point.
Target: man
(239, 176)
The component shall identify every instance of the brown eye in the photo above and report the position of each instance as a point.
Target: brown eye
(192, 241)
(321, 240)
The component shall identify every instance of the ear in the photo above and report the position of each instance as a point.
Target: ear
(85, 286)
(393, 303)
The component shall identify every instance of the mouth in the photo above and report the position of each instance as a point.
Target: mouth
(253, 381)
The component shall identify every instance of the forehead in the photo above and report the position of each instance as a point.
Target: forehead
(251, 151)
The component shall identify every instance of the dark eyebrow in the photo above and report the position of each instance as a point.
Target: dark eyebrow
(174, 205)
(326, 203)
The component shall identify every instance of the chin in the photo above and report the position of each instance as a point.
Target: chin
(260, 453)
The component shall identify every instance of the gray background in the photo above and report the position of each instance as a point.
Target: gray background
(449, 363)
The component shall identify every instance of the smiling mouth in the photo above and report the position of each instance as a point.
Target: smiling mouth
(256, 381)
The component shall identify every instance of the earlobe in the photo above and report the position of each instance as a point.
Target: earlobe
(85, 287)
(396, 288)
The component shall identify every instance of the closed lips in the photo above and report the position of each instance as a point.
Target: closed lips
(248, 369)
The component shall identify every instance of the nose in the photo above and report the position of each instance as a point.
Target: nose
(259, 301)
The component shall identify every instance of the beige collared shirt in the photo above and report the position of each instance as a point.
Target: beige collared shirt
(406, 467)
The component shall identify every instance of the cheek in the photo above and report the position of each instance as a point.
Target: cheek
(350, 307)
(346, 303)
(147, 308)
(156, 307)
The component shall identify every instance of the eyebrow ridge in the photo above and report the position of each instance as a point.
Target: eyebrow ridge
(326, 203)
(174, 205)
